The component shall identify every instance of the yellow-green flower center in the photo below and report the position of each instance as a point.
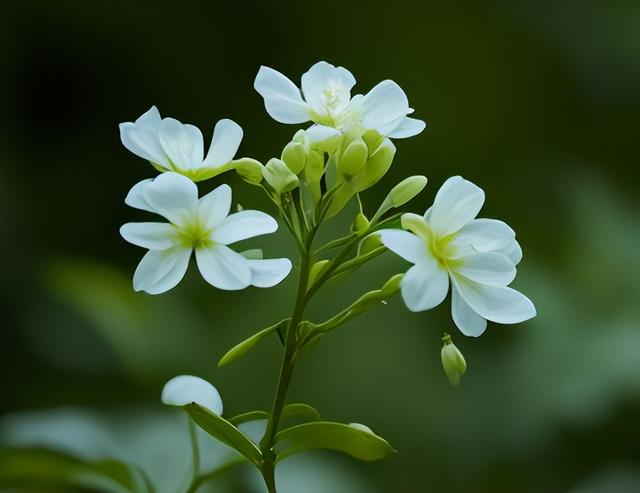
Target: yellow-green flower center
(443, 249)
(194, 235)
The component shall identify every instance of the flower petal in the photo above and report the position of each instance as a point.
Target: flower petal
(243, 225)
(457, 203)
(172, 195)
(488, 268)
(135, 197)
(382, 105)
(141, 137)
(215, 206)
(161, 270)
(484, 235)
(227, 136)
(424, 286)
(405, 244)
(327, 88)
(186, 389)
(269, 272)
(321, 133)
(408, 127)
(182, 143)
(223, 268)
(469, 322)
(499, 304)
(282, 99)
(154, 236)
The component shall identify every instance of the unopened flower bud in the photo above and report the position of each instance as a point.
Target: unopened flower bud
(407, 189)
(370, 243)
(452, 361)
(377, 165)
(353, 158)
(360, 223)
(294, 156)
(249, 169)
(279, 176)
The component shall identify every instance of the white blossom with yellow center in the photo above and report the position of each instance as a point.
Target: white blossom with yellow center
(328, 103)
(479, 256)
(203, 226)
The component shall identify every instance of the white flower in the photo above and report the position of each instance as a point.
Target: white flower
(173, 146)
(478, 255)
(327, 102)
(203, 226)
(186, 389)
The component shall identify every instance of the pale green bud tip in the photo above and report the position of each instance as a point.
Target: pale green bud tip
(360, 223)
(370, 243)
(249, 169)
(353, 158)
(406, 190)
(453, 361)
(294, 156)
(279, 176)
(186, 389)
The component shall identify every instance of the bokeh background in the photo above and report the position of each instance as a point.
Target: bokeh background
(536, 101)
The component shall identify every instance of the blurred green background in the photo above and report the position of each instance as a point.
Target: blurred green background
(538, 102)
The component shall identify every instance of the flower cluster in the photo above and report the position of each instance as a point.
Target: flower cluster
(347, 149)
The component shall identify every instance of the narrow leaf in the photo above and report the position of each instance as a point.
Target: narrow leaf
(354, 440)
(224, 431)
(248, 416)
(238, 350)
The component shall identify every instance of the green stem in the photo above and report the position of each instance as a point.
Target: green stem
(286, 369)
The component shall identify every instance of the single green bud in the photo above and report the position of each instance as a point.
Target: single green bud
(370, 243)
(360, 223)
(402, 193)
(373, 139)
(249, 169)
(294, 156)
(377, 165)
(279, 176)
(353, 158)
(407, 189)
(452, 361)
(392, 286)
(317, 269)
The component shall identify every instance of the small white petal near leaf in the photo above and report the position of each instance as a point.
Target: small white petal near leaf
(187, 389)
(488, 268)
(215, 206)
(469, 322)
(405, 244)
(266, 273)
(154, 236)
(171, 195)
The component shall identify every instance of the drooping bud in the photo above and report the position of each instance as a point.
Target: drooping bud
(279, 176)
(294, 156)
(452, 360)
(353, 158)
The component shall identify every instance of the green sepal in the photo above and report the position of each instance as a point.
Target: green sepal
(348, 439)
(240, 349)
(223, 431)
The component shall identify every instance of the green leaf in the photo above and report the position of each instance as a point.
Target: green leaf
(38, 468)
(300, 410)
(248, 416)
(354, 440)
(239, 349)
(224, 431)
